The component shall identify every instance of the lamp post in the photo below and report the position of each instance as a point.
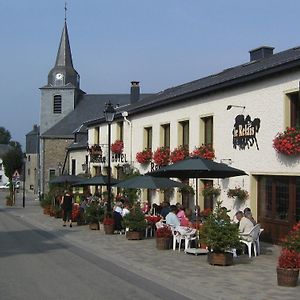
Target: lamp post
(109, 113)
(24, 176)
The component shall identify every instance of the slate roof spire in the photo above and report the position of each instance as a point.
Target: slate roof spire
(63, 72)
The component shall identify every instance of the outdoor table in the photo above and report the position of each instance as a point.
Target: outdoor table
(151, 220)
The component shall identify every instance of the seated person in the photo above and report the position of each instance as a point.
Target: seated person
(245, 225)
(248, 214)
(186, 220)
(118, 221)
(173, 221)
(180, 212)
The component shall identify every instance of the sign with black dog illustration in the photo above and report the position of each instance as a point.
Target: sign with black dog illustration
(244, 132)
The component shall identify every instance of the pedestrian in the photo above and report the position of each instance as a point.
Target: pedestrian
(67, 205)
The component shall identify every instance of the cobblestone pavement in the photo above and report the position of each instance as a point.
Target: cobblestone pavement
(184, 273)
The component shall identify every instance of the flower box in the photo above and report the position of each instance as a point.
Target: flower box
(204, 151)
(178, 154)
(287, 142)
(144, 157)
(161, 156)
(117, 147)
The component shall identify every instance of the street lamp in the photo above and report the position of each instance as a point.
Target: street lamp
(24, 176)
(109, 113)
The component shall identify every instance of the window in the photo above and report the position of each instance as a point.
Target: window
(28, 158)
(28, 172)
(57, 104)
(148, 137)
(51, 174)
(97, 135)
(184, 133)
(166, 135)
(1, 166)
(208, 130)
(120, 131)
(295, 109)
(0, 178)
(73, 167)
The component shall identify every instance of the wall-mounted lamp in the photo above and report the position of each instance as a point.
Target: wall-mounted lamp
(227, 161)
(230, 106)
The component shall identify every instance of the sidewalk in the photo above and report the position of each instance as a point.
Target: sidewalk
(185, 273)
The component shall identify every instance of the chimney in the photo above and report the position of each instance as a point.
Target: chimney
(135, 91)
(261, 52)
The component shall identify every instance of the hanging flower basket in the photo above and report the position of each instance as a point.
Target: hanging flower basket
(161, 156)
(238, 193)
(117, 147)
(204, 151)
(211, 191)
(179, 153)
(287, 142)
(144, 157)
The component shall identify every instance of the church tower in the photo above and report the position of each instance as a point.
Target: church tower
(60, 96)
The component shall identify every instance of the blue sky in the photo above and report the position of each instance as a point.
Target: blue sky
(161, 43)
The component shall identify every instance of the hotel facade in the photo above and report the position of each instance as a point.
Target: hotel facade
(239, 111)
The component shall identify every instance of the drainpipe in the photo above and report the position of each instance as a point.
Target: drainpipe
(125, 115)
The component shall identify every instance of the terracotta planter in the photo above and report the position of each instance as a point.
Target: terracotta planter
(109, 228)
(220, 259)
(163, 243)
(287, 277)
(134, 235)
(94, 226)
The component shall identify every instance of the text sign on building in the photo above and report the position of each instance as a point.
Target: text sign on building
(244, 132)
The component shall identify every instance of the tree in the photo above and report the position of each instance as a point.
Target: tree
(4, 136)
(13, 160)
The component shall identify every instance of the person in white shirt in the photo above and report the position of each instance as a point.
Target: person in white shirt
(245, 225)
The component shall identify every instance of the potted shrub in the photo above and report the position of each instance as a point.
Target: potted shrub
(117, 147)
(135, 224)
(238, 193)
(93, 214)
(179, 153)
(161, 156)
(289, 259)
(144, 157)
(204, 151)
(108, 224)
(287, 142)
(220, 236)
(164, 238)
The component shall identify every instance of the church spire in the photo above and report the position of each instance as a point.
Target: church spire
(64, 55)
(63, 72)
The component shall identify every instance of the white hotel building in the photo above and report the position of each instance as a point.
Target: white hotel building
(264, 95)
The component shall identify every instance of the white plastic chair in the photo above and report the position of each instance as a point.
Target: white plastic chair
(258, 242)
(178, 238)
(251, 237)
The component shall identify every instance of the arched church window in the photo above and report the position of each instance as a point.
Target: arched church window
(57, 104)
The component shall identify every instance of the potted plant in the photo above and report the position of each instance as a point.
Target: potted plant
(144, 157)
(135, 224)
(289, 259)
(93, 214)
(179, 153)
(108, 224)
(204, 151)
(164, 238)
(220, 236)
(161, 156)
(238, 193)
(117, 147)
(287, 142)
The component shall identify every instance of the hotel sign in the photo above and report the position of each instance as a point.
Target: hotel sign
(244, 132)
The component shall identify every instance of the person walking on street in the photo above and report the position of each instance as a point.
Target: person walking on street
(66, 205)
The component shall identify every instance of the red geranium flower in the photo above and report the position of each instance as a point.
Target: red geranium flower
(179, 153)
(287, 142)
(117, 147)
(144, 157)
(204, 151)
(161, 156)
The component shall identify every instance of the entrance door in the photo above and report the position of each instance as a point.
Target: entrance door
(278, 205)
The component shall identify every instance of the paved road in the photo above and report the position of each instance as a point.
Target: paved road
(133, 263)
(35, 264)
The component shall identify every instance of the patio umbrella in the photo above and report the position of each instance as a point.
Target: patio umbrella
(65, 179)
(196, 167)
(97, 180)
(149, 182)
